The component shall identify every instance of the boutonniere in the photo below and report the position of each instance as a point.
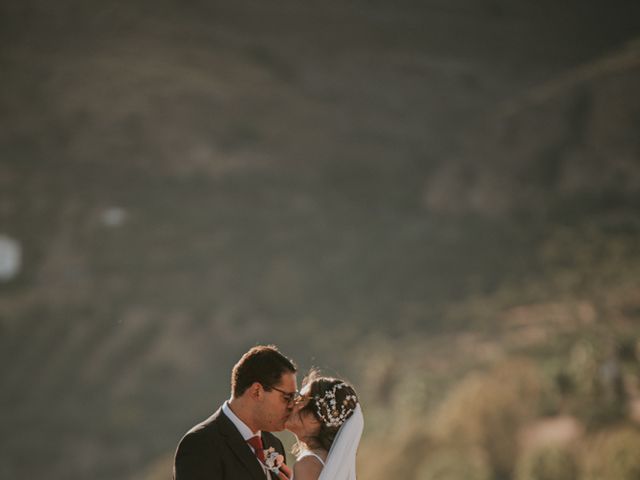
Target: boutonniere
(273, 460)
(275, 464)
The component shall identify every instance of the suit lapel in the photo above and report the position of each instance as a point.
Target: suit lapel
(240, 447)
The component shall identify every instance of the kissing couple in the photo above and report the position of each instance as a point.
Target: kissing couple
(236, 442)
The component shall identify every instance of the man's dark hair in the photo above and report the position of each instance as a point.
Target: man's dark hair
(263, 364)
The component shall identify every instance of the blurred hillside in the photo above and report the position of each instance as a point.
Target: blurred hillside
(568, 149)
(445, 184)
(543, 381)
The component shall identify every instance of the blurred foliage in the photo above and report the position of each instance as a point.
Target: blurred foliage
(597, 381)
(614, 454)
(454, 465)
(544, 386)
(547, 463)
(486, 411)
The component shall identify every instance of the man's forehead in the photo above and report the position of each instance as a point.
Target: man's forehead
(288, 379)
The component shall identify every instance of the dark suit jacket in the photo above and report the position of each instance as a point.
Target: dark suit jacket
(215, 450)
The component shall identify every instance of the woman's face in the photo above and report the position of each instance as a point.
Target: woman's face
(303, 423)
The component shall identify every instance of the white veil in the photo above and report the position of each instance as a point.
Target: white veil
(341, 461)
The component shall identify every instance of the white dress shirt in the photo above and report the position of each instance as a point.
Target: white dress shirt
(245, 431)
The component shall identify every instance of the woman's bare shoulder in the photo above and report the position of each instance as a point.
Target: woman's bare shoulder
(307, 468)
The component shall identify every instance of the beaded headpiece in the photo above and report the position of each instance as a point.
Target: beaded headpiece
(327, 408)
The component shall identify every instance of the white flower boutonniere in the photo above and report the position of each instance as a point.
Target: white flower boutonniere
(273, 460)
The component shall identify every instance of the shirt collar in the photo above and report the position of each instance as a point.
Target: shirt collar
(245, 431)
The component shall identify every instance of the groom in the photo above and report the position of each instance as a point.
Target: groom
(229, 445)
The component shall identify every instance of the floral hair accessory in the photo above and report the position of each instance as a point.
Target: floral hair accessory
(327, 408)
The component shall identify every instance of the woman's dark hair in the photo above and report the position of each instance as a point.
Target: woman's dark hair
(262, 364)
(345, 396)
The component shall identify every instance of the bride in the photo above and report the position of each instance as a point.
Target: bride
(327, 422)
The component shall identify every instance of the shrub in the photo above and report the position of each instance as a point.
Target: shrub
(599, 396)
(614, 455)
(485, 411)
(547, 463)
(454, 465)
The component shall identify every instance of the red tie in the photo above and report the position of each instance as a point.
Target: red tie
(256, 443)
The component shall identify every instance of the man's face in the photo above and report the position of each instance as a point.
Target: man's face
(275, 408)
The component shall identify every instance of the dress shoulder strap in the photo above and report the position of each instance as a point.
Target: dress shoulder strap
(309, 453)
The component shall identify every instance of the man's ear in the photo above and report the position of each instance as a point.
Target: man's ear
(256, 391)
